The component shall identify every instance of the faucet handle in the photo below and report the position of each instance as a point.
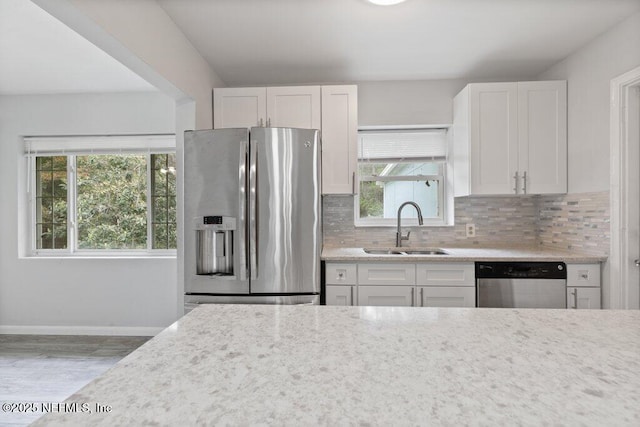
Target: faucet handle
(407, 236)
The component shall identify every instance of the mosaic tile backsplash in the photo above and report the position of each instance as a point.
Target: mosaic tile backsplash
(574, 221)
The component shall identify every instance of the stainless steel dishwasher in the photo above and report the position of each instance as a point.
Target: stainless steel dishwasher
(521, 284)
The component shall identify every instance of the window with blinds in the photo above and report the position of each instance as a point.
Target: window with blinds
(395, 166)
(102, 193)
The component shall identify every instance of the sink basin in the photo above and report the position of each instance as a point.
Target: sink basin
(382, 252)
(425, 252)
(407, 251)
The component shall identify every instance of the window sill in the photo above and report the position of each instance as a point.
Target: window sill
(393, 223)
(102, 255)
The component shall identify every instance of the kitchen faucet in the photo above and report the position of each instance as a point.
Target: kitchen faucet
(399, 236)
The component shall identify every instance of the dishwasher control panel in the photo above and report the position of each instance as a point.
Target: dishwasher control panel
(521, 270)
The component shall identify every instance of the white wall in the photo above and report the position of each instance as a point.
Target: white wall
(589, 71)
(60, 295)
(143, 37)
(420, 102)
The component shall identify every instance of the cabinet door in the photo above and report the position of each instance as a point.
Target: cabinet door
(294, 107)
(583, 298)
(393, 296)
(239, 107)
(339, 295)
(339, 139)
(494, 137)
(447, 296)
(542, 136)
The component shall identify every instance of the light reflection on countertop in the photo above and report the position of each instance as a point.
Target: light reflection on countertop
(320, 365)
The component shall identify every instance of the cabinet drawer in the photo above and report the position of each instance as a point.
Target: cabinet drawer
(391, 296)
(340, 274)
(446, 274)
(444, 296)
(386, 274)
(583, 275)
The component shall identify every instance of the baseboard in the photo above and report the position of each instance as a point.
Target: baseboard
(142, 331)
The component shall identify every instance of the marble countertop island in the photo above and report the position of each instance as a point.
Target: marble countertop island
(318, 365)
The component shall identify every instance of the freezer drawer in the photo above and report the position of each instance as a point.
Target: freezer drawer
(522, 293)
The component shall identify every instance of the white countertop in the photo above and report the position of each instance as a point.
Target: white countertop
(318, 365)
(465, 255)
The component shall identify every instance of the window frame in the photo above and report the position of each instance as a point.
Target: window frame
(72, 249)
(444, 189)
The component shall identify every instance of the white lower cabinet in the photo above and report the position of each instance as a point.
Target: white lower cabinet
(583, 286)
(401, 284)
(398, 296)
(339, 295)
(446, 296)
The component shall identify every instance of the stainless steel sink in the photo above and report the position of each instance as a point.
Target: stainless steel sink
(407, 251)
(425, 252)
(382, 252)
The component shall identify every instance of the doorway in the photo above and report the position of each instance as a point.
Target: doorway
(624, 261)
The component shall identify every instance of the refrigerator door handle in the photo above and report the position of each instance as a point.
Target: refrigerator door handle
(242, 209)
(253, 210)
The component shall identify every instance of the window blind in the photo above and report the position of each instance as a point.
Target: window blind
(83, 145)
(402, 145)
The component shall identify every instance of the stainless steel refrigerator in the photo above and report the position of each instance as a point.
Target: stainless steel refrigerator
(252, 216)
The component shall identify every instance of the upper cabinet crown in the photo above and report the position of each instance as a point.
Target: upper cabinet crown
(331, 109)
(510, 138)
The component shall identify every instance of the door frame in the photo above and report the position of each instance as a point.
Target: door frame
(622, 191)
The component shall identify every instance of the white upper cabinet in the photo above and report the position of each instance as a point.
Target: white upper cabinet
(339, 139)
(286, 106)
(242, 107)
(331, 109)
(510, 138)
(293, 107)
(542, 136)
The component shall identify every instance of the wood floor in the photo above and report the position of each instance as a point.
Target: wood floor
(50, 368)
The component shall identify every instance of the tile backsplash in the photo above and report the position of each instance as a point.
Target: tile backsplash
(574, 221)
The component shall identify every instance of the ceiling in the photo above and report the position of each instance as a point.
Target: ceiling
(258, 42)
(39, 54)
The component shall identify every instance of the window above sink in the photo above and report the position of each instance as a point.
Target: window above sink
(397, 165)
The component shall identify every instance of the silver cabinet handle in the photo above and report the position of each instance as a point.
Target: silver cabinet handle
(574, 293)
(413, 302)
(524, 181)
(353, 184)
(421, 297)
(515, 177)
(352, 302)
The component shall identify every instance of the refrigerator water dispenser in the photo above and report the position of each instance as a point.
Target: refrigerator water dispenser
(214, 245)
